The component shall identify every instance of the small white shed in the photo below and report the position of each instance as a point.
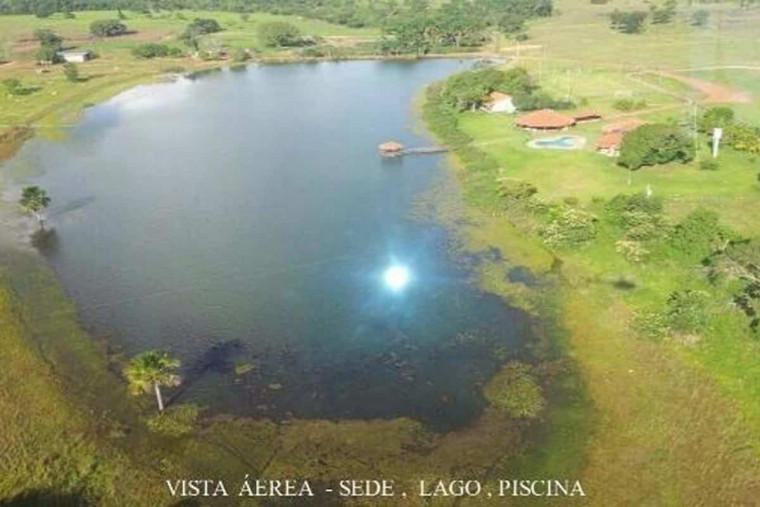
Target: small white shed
(76, 56)
(499, 102)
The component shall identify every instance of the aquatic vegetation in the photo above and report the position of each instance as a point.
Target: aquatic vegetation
(515, 389)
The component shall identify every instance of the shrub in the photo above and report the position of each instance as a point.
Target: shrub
(650, 324)
(150, 50)
(709, 165)
(742, 137)
(279, 34)
(655, 144)
(516, 391)
(175, 421)
(48, 54)
(71, 72)
(203, 26)
(571, 227)
(13, 86)
(515, 190)
(700, 18)
(47, 37)
(696, 234)
(718, 116)
(240, 55)
(107, 28)
(633, 251)
(628, 21)
(686, 311)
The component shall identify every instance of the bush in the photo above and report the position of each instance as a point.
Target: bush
(572, 227)
(696, 235)
(150, 50)
(203, 26)
(279, 34)
(71, 72)
(655, 144)
(107, 28)
(48, 54)
(700, 18)
(633, 251)
(709, 165)
(515, 190)
(516, 391)
(628, 21)
(47, 37)
(718, 116)
(240, 55)
(175, 421)
(13, 86)
(686, 311)
(742, 137)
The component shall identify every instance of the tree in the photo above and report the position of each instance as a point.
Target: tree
(718, 116)
(35, 200)
(150, 50)
(48, 37)
(664, 14)
(71, 72)
(700, 18)
(107, 28)
(279, 34)
(149, 371)
(628, 21)
(48, 54)
(655, 144)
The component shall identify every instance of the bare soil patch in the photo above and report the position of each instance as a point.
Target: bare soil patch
(712, 92)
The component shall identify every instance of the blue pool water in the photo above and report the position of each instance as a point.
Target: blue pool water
(556, 142)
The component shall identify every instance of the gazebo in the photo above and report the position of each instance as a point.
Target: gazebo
(545, 119)
(390, 147)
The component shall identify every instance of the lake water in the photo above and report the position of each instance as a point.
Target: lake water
(244, 221)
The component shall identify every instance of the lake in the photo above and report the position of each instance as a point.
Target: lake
(244, 222)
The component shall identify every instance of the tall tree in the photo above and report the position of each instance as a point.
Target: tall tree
(35, 201)
(149, 371)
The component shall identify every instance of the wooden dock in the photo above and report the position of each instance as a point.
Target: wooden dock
(426, 150)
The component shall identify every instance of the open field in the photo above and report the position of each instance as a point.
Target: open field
(670, 417)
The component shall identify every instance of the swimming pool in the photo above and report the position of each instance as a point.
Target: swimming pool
(559, 143)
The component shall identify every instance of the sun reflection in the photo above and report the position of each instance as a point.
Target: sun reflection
(396, 277)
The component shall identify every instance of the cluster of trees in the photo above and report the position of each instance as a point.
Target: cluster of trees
(196, 29)
(107, 28)
(418, 26)
(740, 136)
(634, 21)
(282, 34)
(655, 144)
(468, 90)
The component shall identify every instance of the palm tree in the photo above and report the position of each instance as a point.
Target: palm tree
(34, 200)
(151, 370)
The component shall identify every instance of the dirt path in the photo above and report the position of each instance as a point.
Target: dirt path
(711, 91)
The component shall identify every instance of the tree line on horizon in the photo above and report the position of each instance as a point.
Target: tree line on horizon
(458, 18)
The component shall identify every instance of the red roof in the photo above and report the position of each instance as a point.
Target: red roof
(609, 140)
(545, 119)
(586, 114)
(390, 147)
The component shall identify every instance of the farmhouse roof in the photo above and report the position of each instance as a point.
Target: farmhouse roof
(609, 140)
(586, 114)
(545, 118)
